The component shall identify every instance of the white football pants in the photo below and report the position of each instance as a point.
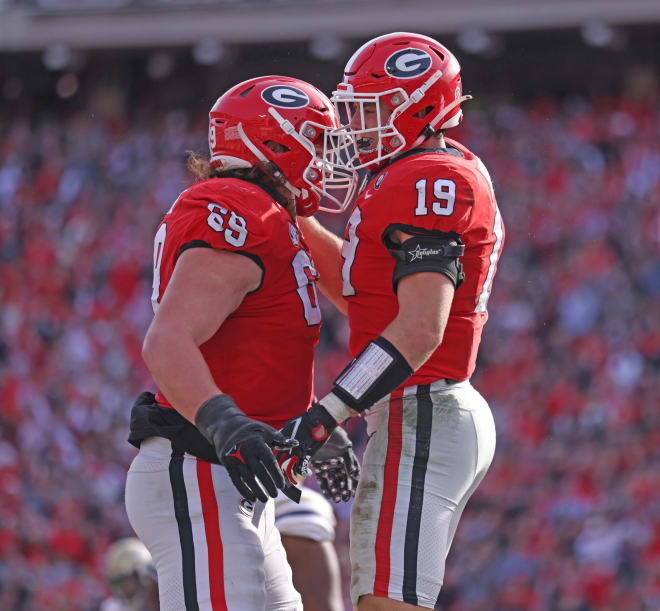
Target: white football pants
(429, 448)
(213, 550)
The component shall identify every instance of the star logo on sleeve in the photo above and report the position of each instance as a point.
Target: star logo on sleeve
(420, 253)
(415, 254)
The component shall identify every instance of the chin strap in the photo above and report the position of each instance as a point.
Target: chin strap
(272, 169)
(416, 95)
(430, 129)
(288, 128)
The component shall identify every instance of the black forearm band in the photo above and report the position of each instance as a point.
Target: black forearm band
(221, 421)
(429, 254)
(374, 373)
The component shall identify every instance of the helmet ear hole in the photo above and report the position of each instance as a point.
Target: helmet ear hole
(420, 114)
(276, 147)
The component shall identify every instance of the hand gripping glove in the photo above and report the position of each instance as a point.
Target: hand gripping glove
(336, 467)
(243, 446)
(311, 430)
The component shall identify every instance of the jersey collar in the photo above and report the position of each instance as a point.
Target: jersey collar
(449, 150)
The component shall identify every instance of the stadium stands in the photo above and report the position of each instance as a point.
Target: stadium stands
(92, 154)
(566, 519)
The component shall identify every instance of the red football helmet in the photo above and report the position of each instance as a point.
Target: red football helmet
(278, 123)
(413, 79)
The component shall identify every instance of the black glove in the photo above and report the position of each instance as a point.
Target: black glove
(311, 430)
(336, 467)
(243, 446)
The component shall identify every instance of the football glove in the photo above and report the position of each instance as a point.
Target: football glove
(243, 446)
(311, 430)
(336, 467)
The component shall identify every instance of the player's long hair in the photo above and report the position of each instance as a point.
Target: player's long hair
(201, 169)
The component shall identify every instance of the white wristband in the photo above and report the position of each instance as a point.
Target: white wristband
(337, 408)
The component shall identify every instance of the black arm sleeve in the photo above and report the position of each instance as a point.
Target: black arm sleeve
(433, 253)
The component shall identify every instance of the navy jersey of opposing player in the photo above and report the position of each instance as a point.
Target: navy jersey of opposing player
(265, 348)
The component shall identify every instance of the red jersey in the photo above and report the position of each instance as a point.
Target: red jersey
(263, 353)
(422, 192)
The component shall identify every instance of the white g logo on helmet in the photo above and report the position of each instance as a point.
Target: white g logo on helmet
(285, 96)
(408, 63)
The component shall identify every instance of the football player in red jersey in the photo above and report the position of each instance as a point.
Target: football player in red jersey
(231, 348)
(413, 274)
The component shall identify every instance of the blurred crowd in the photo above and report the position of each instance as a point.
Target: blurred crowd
(568, 519)
(76, 5)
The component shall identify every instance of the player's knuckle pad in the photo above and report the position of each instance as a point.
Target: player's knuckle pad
(439, 253)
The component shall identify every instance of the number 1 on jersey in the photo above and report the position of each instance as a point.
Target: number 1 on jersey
(498, 232)
(348, 249)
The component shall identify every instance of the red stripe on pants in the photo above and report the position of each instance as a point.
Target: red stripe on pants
(388, 500)
(213, 540)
